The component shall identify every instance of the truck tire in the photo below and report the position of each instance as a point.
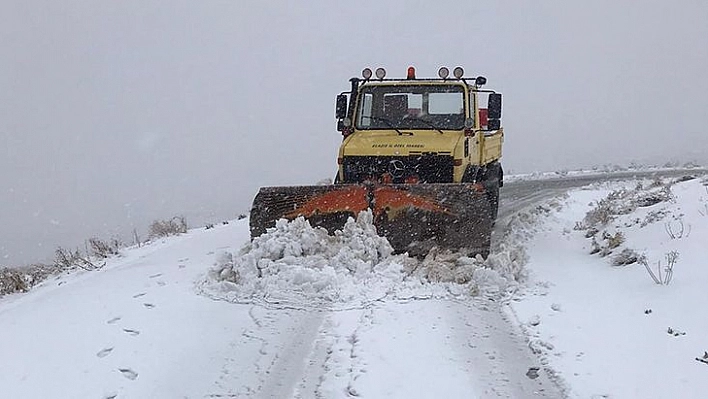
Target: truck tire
(493, 195)
(490, 177)
(492, 182)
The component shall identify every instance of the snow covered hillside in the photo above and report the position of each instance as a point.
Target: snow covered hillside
(592, 309)
(564, 307)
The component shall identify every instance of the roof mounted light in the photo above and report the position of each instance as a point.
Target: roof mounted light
(443, 72)
(480, 81)
(380, 73)
(411, 73)
(366, 73)
(458, 72)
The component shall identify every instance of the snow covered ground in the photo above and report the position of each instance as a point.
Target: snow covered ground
(608, 330)
(300, 315)
(154, 323)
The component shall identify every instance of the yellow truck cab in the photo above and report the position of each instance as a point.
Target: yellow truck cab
(431, 130)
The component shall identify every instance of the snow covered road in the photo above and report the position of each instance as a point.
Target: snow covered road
(416, 349)
(138, 329)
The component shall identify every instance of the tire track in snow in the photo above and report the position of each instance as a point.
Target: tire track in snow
(289, 355)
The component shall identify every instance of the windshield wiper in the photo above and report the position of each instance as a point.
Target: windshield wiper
(429, 123)
(388, 123)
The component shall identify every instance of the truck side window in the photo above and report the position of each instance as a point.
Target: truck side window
(365, 110)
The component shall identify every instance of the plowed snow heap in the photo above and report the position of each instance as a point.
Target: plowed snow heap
(419, 153)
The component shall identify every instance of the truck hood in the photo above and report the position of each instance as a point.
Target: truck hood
(390, 143)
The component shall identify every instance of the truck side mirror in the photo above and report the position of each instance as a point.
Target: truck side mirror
(341, 111)
(494, 106)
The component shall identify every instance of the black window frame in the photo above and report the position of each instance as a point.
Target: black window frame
(438, 122)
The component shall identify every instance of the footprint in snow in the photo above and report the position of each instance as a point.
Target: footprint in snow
(111, 396)
(532, 373)
(113, 320)
(161, 283)
(148, 305)
(139, 295)
(131, 332)
(104, 352)
(156, 275)
(129, 374)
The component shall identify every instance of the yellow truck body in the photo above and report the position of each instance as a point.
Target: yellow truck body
(421, 154)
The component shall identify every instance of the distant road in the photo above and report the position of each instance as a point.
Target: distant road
(520, 194)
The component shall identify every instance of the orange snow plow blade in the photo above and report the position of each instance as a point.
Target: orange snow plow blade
(413, 217)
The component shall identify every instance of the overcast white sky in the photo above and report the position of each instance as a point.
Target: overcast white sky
(113, 114)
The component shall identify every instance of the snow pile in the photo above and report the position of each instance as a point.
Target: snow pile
(296, 265)
(500, 274)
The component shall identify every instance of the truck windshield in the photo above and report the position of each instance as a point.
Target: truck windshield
(431, 107)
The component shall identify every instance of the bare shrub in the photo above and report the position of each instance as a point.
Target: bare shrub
(605, 251)
(654, 216)
(591, 232)
(657, 182)
(594, 247)
(103, 249)
(13, 280)
(601, 215)
(643, 261)
(649, 198)
(165, 228)
(671, 259)
(626, 257)
(614, 241)
(619, 194)
(607, 244)
(67, 260)
(677, 230)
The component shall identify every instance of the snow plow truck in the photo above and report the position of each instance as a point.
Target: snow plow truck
(422, 154)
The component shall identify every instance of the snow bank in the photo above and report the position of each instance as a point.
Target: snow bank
(296, 265)
(596, 317)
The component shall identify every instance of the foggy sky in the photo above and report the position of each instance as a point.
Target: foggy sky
(113, 114)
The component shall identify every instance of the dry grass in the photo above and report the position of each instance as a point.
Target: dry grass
(22, 279)
(165, 228)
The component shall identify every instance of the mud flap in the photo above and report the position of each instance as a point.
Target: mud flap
(414, 218)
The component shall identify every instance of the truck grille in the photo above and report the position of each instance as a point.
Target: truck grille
(427, 168)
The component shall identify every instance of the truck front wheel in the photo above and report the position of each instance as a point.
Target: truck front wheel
(492, 182)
